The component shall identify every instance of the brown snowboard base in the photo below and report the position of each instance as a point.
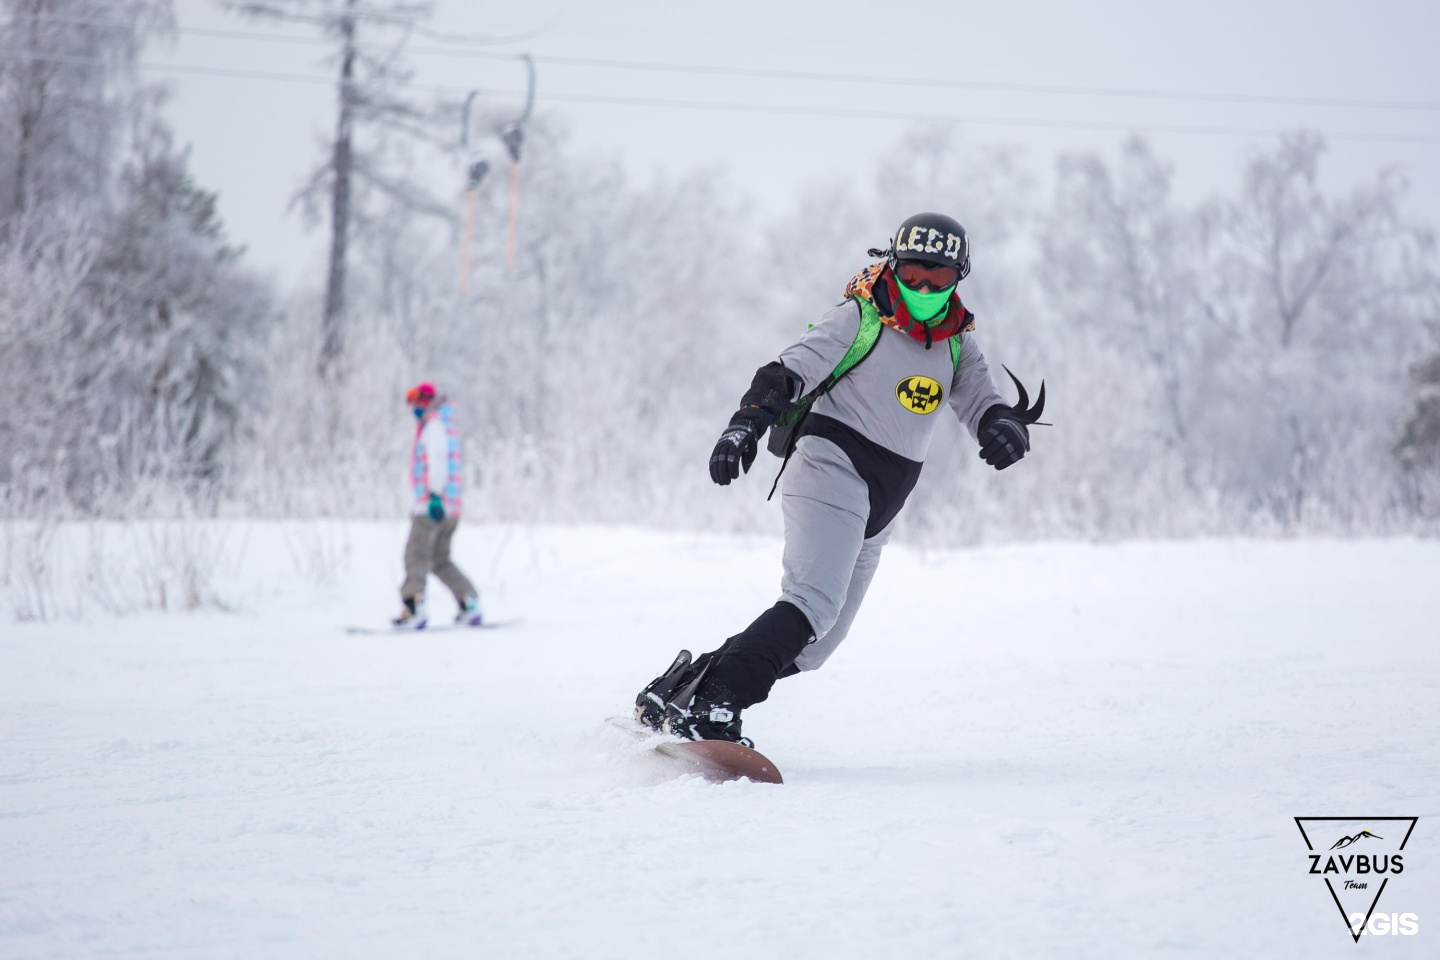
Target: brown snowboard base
(715, 760)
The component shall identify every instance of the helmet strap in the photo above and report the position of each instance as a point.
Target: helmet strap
(886, 253)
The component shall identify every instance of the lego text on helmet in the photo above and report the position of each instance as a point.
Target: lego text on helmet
(928, 240)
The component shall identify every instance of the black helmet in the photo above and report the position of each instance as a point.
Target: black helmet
(931, 238)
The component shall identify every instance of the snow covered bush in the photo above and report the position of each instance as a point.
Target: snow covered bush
(128, 331)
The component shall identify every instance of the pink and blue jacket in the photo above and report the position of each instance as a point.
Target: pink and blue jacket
(435, 463)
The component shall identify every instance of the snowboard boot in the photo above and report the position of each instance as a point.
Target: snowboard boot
(413, 615)
(709, 713)
(650, 704)
(469, 613)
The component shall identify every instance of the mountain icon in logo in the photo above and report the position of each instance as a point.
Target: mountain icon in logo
(1346, 841)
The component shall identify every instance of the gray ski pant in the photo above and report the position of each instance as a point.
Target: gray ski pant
(828, 563)
(428, 551)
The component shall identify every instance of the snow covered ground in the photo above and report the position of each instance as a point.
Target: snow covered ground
(1054, 750)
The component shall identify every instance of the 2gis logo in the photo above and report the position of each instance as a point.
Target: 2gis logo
(1379, 924)
(1357, 857)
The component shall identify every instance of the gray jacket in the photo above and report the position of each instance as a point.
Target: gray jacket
(892, 398)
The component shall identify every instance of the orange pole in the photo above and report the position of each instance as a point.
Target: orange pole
(514, 204)
(469, 233)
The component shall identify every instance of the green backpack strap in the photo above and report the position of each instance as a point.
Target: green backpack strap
(864, 344)
(784, 432)
(786, 429)
(865, 339)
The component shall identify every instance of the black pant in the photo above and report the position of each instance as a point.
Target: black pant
(750, 662)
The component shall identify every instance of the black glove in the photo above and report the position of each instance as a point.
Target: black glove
(1003, 436)
(736, 448)
(769, 392)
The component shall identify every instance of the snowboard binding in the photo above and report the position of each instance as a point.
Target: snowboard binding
(413, 614)
(681, 703)
(650, 704)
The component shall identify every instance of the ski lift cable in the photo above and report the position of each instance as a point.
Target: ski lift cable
(264, 10)
(772, 109)
(1260, 99)
(976, 119)
(989, 86)
(513, 133)
(463, 40)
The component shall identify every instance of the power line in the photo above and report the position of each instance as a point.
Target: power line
(978, 120)
(993, 87)
(1129, 93)
(463, 39)
(27, 56)
(749, 108)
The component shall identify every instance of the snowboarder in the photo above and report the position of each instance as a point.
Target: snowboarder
(436, 482)
(851, 407)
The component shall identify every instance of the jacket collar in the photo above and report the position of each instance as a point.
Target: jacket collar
(877, 284)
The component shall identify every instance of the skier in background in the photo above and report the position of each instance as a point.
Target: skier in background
(436, 482)
(852, 403)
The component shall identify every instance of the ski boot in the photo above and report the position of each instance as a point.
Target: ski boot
(469, 613)
(704, 710)
(650, 704)
(413, 616)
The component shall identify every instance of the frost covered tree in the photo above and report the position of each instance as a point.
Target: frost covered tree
(1303, 250)
(364, 183)
(128, 331)
(67, 86)
(1421, 440)
(1333, 294)
(1419, 447)
(192, 325)
(1119, 261)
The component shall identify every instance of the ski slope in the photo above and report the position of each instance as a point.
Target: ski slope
(1050, 750)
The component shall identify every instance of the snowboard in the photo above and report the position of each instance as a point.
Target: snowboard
(716, 760)
(432, 628)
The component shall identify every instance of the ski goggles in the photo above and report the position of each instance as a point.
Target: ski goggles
(420, 395)
(938, 277)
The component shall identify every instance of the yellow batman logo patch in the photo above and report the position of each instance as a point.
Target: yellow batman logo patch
(919, 394)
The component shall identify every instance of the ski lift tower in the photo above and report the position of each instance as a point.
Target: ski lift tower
(513, 136)
(476, 166)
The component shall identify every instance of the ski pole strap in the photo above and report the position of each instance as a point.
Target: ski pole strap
(781, 472)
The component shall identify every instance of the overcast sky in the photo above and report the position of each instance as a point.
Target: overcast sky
(253, 139)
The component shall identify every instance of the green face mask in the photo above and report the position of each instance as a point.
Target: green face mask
(925, 307)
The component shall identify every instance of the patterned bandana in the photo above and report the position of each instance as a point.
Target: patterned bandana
(878, 285)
